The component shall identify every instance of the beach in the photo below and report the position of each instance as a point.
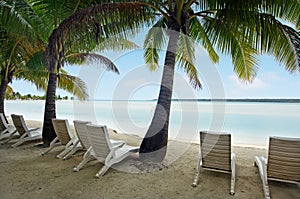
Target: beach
(25, 173)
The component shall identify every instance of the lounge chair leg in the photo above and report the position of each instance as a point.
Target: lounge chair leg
(74, 150)
(63, 153)
(232, 184)
(9, 139)
(196, 178)
(21, 140)
(52, 145)
(102, 171)
(84, 162)
(261, 164)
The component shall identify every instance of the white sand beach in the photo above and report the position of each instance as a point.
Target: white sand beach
(25, 173)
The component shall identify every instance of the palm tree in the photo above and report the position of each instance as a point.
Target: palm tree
(38, 19)
(239, 29)
(242, 30)
(16, 56)
(15, 50)
(67, 39)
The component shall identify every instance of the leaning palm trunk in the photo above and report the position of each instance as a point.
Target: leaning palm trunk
(49, 114)
(154, 144)
(3, 87)
(6, 79)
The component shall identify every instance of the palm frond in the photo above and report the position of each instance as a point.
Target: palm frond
(281, 41)
(198, 34)
(229, 40)
(37, 77)
(9, 90)
(73, 85)
(19, 17)
(116, 45)
(154, 41)
(88, 58)
(185, 58)
(95, 24)
(286, 10)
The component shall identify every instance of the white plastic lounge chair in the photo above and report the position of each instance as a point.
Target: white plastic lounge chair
(25, 133)
(8, 131)
(81, 130)
(83, 136)
(64, 137)
(216, 155)
(103, 150)
(283, 162)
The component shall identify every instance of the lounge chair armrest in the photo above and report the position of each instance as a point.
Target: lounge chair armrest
(110, 155)
(117, 145)
(33, 129)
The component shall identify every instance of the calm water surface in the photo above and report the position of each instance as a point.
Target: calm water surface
(249, 123)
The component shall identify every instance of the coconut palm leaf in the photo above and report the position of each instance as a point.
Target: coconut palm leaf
(154, 41)
(94, 23)
(287, 10)
(198, 33)
(186, 57)
(19, 17)
(282, 41)
(73, 85)
(9, 90)
(88, 58)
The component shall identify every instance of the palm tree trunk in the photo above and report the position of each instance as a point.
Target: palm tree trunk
(154, 144)
(50, 111)
(3, 87)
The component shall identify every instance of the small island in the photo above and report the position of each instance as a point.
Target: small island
(18, 96)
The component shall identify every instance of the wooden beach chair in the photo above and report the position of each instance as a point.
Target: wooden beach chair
(26, 134)
(83, 136)
(64, 137)
(283, 162)
(104, 151)
(7, 131)
(215, 155)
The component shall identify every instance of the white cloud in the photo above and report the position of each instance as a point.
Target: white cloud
(257, 83)
(271, 76)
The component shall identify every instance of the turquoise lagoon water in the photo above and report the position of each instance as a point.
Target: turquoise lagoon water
(250, 123)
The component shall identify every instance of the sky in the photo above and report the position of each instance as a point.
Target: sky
(136, 82)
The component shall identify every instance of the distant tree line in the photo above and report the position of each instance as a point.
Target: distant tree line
(18, 96)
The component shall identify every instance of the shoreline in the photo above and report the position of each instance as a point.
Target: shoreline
(36, 123)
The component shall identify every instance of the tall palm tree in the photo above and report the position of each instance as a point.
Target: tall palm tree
(242, 30)
(16, 55)
(37, 19)
(15, 50)
(99, 22)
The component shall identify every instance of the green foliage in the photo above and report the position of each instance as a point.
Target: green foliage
(241, 29)
(18, 96)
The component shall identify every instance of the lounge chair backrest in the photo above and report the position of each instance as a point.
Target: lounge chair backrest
(99, 139)
(62, 130)
(19, 123)
(82, 133)
(3, 123)
(215, 150)
(284, 159)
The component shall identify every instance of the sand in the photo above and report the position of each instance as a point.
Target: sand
(25, 173)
